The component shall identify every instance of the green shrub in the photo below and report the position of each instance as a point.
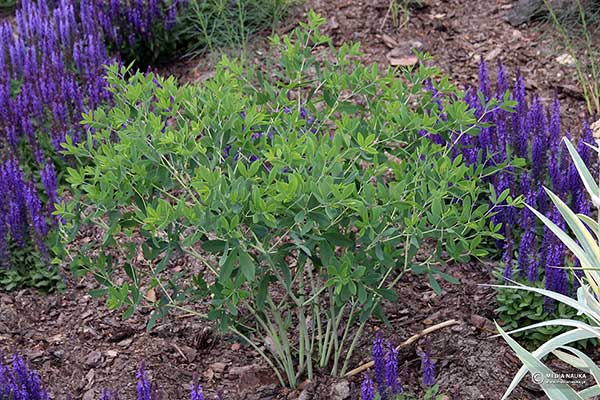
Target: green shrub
(314, 191)
(210, 24)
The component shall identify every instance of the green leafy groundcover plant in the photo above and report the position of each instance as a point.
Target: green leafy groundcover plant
(6, 5)
(523, 308)
(306, 197)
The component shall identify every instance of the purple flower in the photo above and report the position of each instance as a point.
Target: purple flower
(507, 259)
(36, 215)
(502, 85)
(533, 271)
(19, 383)
(196, 392)
(484, 80)
(554, 127)
(367, 389)
(427, 369)
(527, 251)
(379, 362)
(226, 151)
(144, 391)
(391, 371)
(50, 183)
(536, 125)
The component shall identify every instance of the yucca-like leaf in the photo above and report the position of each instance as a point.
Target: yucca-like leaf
(573, 335)
(590, 392)
(585, 247)
(584, 237)
(558, 322)
(586, 297)
(588, 364)
(554, 391)
(589, 182)
(586, 260)
(570, 359)
(590, 222)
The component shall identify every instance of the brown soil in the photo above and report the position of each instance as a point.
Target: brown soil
(80, 347)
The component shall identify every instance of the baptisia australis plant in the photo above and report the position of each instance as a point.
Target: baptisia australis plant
(583, 240)
(304, 198)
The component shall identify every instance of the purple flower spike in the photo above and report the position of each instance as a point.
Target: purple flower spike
(502, 86)
(428, 370)
(196, 393)
(526, 250)
(391, 371)
(144, 390)
(379, 361)
(507, 259)
(367, 389)
(484, 80)
(18, 382)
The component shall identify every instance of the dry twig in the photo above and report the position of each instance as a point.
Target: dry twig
(407, 342)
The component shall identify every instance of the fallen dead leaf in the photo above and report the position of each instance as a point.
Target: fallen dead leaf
(151, 295)
(403, 61)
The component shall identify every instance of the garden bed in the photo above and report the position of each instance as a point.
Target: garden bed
(79, 347)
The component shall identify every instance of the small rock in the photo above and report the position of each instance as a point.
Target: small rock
(218, 367)
(93, 359)
(389, 41)
(566, 59)
(251, 376)
(35, 354)
(209, 374)
(340, 390)
(111, 353)
(481, 322)
(89, 395)
(125, 342)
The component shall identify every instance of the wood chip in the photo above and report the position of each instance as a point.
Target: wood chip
(389, 41)
(596, 129)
